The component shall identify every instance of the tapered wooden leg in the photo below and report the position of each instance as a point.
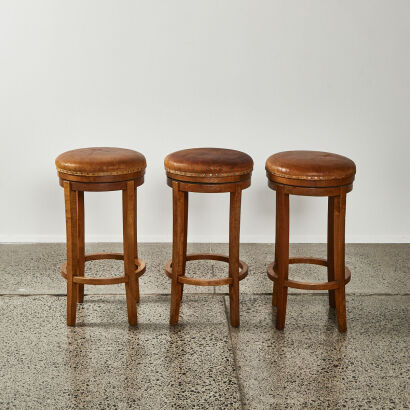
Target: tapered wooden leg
(179, 205)
(81, 242)
(275, 287)
(234, 234)
(339, 213)
(70, 199)
(137, 283)
(330, 248)
(282, 255)
(186, 194)
(129, 201)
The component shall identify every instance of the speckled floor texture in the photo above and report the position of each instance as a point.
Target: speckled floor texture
(103, 363)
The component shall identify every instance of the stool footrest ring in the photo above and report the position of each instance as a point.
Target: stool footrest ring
(139, 264)
(243, 272)
(273, 275)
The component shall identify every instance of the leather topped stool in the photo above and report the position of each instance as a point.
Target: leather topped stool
(208, 170)
(311, 173)
(98, 170)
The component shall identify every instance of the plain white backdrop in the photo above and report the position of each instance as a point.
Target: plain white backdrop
(157, 76)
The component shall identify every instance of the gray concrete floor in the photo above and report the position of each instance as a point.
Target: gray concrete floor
(203, 362)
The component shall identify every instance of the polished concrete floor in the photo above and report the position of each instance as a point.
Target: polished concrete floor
(203, 362)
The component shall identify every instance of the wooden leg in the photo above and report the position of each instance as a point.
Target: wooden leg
(339, 213)
(234, 233)
(185, 239)
(81, 242)
(330, 248)
(137, 283)
(282, 255)
(129, 201)
(179, 205)
(275, 286)
(70, 198)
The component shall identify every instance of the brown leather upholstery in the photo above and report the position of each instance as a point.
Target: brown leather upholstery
(211, 165)
(310, 169)
(101, 164)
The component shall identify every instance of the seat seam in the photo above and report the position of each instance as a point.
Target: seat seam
(202, 174)
(102, 173)
(308, 176)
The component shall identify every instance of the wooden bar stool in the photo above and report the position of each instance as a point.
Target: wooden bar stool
(98, 170)
(311, 173)
(208, 170)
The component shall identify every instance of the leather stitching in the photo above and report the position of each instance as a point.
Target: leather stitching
(121, 172)
(213, 174)
(315, 178)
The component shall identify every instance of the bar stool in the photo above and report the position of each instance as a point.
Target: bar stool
(311, 173)
(208, 170)
(98, 170)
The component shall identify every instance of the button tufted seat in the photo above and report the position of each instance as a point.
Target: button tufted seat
(213, 165)
(310, 169)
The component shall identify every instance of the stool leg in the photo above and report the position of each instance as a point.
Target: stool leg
(338, 244)
(179, 206)
(185, 240)
(234, 233)
(134, 226)
(330, 248)
(275, 286)
(70, 199)
(282, 255)
(81, 242)
(129, 206)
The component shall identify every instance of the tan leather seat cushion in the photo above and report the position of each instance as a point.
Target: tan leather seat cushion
(208, 162)
(100, 161)
(313, 167)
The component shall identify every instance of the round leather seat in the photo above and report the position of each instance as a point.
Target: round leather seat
(310, 169)
(101, 164)
(208, 165)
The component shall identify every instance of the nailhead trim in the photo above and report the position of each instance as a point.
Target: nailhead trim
(314, 178)
(196, 174)
(100, 174)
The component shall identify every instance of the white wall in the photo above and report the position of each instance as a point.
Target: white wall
(157, 76)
